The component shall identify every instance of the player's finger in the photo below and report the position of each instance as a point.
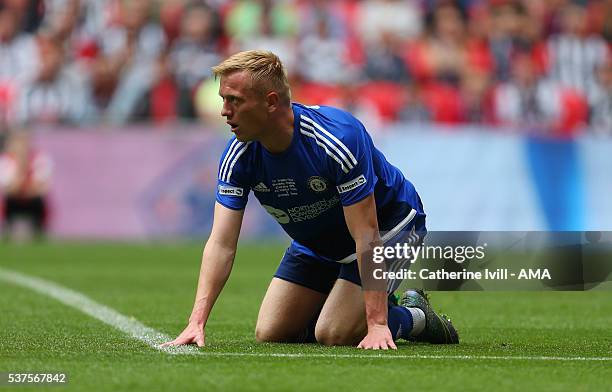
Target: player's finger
(392, 345)
(200, 341)
(166, 344)
(384, 346)
(180, 341)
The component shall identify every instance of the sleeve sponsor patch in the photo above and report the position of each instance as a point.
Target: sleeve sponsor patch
(227, 190)
(353, 184)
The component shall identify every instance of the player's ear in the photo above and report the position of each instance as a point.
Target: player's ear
(272, 101)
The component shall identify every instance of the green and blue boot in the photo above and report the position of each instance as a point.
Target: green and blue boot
(438, 328)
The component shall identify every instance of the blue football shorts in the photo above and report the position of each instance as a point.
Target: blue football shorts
(320, 274)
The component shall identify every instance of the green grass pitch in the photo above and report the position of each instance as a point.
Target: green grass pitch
(155, 284)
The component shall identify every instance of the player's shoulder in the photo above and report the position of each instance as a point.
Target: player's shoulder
(334, 133)
(330, 123)
(337, 121)
(235, 151)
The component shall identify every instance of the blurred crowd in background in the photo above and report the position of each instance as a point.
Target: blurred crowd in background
(535, 65)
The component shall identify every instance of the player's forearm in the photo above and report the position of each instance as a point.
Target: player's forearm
(217, 261)
(376, 307)
(374, 291)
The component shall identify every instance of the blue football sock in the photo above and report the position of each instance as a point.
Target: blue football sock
(400, 322)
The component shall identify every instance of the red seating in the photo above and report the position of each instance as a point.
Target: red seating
(387, 97)
(317, 94)
(444, 103)
(163, 101)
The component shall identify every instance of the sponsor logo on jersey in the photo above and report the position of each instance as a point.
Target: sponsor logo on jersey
(261, 187)
(354, 184)
(280, 215)
(227, 190)
(317, 184)
(312, 211)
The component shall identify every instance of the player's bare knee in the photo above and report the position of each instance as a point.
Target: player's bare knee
(334, 335)
(333, 338)
(264, 334)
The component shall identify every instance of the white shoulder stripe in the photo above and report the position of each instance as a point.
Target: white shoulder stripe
(238, 154)
(330, 144)
(228, 156)
(312, 135)
(335, 139)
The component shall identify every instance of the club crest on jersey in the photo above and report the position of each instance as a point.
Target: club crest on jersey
(317, 184)
(261, 187)
(353, 184)
(227, 190)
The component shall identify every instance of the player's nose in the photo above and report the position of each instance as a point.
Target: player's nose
(225, 111)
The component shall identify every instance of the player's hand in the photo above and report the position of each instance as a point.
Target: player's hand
(192, 334)
(378, 338)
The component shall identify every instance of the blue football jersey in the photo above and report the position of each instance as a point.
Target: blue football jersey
(330, 163)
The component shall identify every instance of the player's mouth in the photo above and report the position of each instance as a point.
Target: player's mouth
(233, 126)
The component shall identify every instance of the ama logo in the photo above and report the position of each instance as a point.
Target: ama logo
(534, 274)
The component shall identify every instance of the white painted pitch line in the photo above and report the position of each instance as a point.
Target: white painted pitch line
(154, 338)
(74, 299)
(390, 355)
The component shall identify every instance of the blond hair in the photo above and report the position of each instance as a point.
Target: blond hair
(265, 68)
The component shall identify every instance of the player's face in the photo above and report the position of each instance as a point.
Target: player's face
(244, 108)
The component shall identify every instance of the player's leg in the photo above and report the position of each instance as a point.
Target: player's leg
(294, 298)
(39, 216)
(342, 320)
(286, 312)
